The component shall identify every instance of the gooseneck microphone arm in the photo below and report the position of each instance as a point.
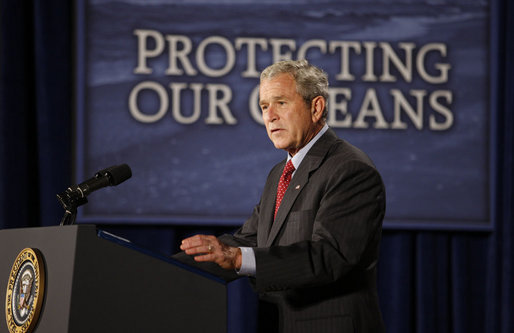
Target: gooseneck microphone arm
(76, 196)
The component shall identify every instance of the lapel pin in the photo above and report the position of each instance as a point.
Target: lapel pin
(297, 187)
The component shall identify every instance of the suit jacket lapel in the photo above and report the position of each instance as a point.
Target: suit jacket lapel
(268, 205)
(300, 179)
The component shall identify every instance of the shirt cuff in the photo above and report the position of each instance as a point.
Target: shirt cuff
(247, 262)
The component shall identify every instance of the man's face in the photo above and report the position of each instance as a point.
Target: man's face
(289, 121)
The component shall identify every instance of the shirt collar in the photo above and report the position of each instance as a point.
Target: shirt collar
(298, 157)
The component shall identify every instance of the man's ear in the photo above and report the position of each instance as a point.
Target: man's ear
(317, 107)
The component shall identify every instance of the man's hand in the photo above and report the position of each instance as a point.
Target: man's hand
(209, 248)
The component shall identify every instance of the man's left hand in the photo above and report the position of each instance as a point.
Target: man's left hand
(209, 248)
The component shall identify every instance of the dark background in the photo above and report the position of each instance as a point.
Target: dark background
(429, 281)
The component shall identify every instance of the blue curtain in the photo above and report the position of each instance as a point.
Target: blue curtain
(35, 110)
(446, 281)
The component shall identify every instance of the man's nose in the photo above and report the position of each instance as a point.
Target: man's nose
(270, 114)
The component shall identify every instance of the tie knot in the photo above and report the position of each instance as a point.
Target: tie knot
(289, 168)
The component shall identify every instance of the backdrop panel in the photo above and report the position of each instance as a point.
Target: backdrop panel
(169, 87)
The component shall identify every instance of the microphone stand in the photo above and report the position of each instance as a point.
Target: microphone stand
(69, 217)
(70, 201)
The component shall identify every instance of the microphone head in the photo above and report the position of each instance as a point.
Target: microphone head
(117, 174)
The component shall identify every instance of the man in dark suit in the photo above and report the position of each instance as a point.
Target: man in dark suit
(311, 245)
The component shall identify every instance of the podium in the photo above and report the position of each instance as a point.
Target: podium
(97, 282)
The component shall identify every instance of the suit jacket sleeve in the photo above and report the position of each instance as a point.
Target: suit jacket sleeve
(246, 235)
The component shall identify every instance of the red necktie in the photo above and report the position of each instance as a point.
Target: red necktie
(283, 184)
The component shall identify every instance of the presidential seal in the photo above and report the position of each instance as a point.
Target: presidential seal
(25, 291)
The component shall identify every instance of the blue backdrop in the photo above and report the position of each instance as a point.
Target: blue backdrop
(169, 90)
(429, 281)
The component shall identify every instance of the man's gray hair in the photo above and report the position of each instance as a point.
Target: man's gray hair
(311, 81)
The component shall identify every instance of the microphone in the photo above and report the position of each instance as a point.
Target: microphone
(111, 176)
(76, 195)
